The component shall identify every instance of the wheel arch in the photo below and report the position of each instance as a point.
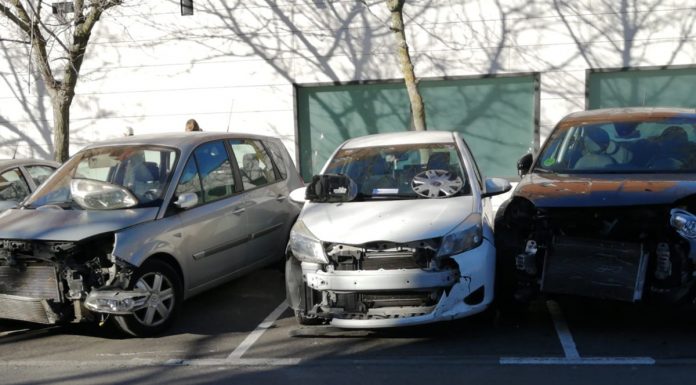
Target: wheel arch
(171, 261)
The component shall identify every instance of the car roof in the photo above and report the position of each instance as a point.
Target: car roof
(181, 140)
(9, 163)
(624, 114)
(396, 138)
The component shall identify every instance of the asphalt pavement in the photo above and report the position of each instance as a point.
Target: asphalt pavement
(243, 332)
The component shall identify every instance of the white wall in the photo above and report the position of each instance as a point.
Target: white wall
(233, 63)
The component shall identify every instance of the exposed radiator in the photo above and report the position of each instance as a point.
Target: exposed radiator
(389, 261)
(26, 309)
(25, 293)
(39, 282)
(595, 268)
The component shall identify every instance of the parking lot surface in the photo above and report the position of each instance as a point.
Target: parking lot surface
(244, 331)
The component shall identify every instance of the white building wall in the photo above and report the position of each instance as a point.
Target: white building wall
(234, 62)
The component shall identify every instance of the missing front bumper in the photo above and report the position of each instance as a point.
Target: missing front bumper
(595, 268)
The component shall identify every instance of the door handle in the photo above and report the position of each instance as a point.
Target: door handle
(239, 211)
(281, 197)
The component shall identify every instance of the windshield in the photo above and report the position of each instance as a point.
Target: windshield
(136, 171)
(664, 146)
(411, 171)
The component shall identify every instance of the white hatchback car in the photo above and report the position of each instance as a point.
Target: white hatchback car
(395, 231)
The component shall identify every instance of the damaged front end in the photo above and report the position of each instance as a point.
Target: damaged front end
(52, 282)
(633, 253)
(386, 284)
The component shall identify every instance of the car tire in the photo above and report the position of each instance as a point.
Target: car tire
(161, 279)
(506, 300)
(299, 295)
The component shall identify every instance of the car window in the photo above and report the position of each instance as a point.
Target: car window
(254, 163)
(277, 155)
(651, 146)
(217, 178)
(143, 171)
(13, 187)
(140, 170)
(190, 181)
(402, 171)
(39, 173)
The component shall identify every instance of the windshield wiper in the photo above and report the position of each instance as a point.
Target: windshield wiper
(388, 196)
(541, 169)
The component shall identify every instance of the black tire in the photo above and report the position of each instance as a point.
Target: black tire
(157, 277)
(506, 288)
(299, 295)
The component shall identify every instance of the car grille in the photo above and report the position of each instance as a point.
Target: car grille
(402, 313)
(390, 261)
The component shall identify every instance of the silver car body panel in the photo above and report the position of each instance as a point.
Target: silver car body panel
(400, 221)
(68, 225)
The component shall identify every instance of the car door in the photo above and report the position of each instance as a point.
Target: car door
(266, 200)
(214, 233)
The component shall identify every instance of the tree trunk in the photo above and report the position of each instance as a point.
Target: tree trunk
(414, 96)
(61, 127)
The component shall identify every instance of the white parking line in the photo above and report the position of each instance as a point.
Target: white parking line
(567, 342)
(577, 361)
(570, 351)
(258, 332)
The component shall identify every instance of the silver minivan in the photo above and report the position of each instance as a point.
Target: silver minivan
(127, 229)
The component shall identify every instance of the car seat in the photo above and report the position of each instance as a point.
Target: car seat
(672, 150)
(145, 178)
(438, 161)
(378, 176)
(595, 142)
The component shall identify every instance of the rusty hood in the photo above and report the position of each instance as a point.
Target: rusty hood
(604, 190)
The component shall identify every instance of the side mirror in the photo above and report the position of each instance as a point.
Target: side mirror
(186, 201)
(298, 195)
(331, 188)
(496, 186)
(524, 164)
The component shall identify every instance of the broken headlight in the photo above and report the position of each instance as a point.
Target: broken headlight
(305, 246)
(684, 222)
(466, 236)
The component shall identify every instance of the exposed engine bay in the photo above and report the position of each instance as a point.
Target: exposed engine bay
(49, 281)
(629, 253)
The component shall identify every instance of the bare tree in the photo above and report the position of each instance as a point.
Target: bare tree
(70, 36)
(396, 8)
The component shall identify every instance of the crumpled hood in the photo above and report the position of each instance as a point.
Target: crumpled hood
(356, 223)
(605, 190)
(68, 225)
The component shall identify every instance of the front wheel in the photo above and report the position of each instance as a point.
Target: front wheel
(166, 293)
(300, 297)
